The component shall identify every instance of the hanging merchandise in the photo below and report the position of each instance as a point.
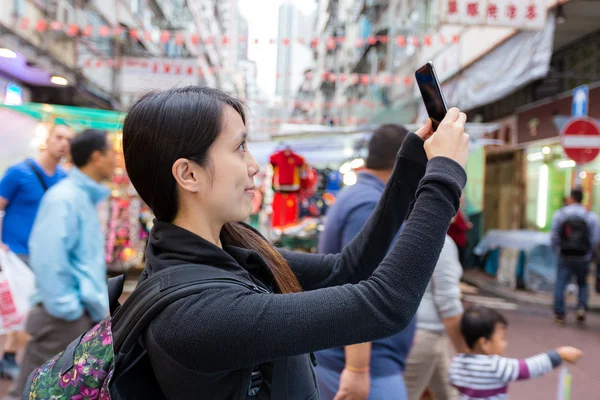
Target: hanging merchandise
(287, 169)
(334, 181)
(322, 180)
(308, 183)
(285, 209)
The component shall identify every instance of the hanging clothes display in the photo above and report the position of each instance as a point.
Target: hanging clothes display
(285, 209)
(289, 173)
(287, 167)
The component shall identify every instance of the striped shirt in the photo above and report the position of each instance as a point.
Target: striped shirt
(479, 376)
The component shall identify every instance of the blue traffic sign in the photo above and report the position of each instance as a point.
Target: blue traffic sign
(580, 101)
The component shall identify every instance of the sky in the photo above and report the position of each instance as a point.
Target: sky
(262, 19)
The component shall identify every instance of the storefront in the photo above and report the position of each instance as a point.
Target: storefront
(12, 92)
(550, 174)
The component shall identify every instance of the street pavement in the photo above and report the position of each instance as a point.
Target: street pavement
(532, 331)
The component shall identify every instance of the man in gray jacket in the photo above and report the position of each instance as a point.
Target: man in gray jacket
(574, 238)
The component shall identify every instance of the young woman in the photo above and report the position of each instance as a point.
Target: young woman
(186, 154)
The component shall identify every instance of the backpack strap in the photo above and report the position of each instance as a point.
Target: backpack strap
(115, 290)
(37, 174)
(157, 292)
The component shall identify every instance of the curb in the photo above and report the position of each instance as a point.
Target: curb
(520, 298)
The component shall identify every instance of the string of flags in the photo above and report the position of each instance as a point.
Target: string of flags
(177, 68)
(274, 122)
(180, 37)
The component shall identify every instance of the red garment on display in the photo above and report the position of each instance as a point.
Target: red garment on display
(309, 182)
(458, 230)
(286, 208)
(286, 166)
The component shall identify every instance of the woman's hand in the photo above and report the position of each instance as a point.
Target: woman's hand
(425, 131)
(450, 139)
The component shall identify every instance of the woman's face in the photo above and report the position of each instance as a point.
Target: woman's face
(228, 178)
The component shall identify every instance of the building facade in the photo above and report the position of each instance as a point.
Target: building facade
(102, 54)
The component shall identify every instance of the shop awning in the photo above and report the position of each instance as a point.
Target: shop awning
(78, 118)
(523, 58)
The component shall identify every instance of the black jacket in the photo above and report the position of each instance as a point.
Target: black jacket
(202, 347)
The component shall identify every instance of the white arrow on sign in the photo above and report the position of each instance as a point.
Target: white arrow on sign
(580, 142)
(579, 101)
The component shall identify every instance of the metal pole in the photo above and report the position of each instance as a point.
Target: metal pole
(578, 179)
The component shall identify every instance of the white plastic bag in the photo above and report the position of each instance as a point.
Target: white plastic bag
(17, 285)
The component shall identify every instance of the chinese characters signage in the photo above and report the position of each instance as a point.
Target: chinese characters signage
(520, 14)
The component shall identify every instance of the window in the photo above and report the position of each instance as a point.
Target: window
(19, 7)
(137, 7)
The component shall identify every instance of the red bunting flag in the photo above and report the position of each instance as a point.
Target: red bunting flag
(41, 25)
(104, 31)
(25, 22)
(118, 31)
(72, 30)
(179, 39)
(165, 36)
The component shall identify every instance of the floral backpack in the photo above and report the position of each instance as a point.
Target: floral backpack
(89, 367)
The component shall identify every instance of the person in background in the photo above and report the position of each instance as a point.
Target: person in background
(21, 191)
(458, 232)
(438, 324)
(367, 370)
(574, 239)
(67, 256)
(483, 372)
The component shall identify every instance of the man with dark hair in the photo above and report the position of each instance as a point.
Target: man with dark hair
(67, 255)
(21, 191)
(368, 370)
(574, 238)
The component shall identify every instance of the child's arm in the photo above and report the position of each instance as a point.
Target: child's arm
(509, 370)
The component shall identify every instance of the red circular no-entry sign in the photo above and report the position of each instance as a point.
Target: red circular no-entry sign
(580, 138)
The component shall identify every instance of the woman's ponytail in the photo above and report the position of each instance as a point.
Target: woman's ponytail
(242, 235)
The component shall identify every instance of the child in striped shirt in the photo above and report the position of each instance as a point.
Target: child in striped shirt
(483, 373)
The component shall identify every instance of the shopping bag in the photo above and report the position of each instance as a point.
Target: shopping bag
(17, 285)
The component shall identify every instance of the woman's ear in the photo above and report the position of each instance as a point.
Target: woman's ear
(186, 175)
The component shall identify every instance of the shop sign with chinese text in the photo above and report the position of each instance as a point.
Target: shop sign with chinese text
(519, 14)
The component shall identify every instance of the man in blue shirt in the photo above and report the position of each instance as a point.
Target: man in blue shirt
(22, 188)
(67, 255)
(368, 370)
(21, 191)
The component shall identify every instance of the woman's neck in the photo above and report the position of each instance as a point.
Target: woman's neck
(201, 226)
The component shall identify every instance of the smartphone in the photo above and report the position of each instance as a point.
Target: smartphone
(429, 85)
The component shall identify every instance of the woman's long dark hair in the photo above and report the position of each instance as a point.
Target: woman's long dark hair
(164, 126)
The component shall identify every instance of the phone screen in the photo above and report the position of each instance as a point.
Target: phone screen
(431, 93)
